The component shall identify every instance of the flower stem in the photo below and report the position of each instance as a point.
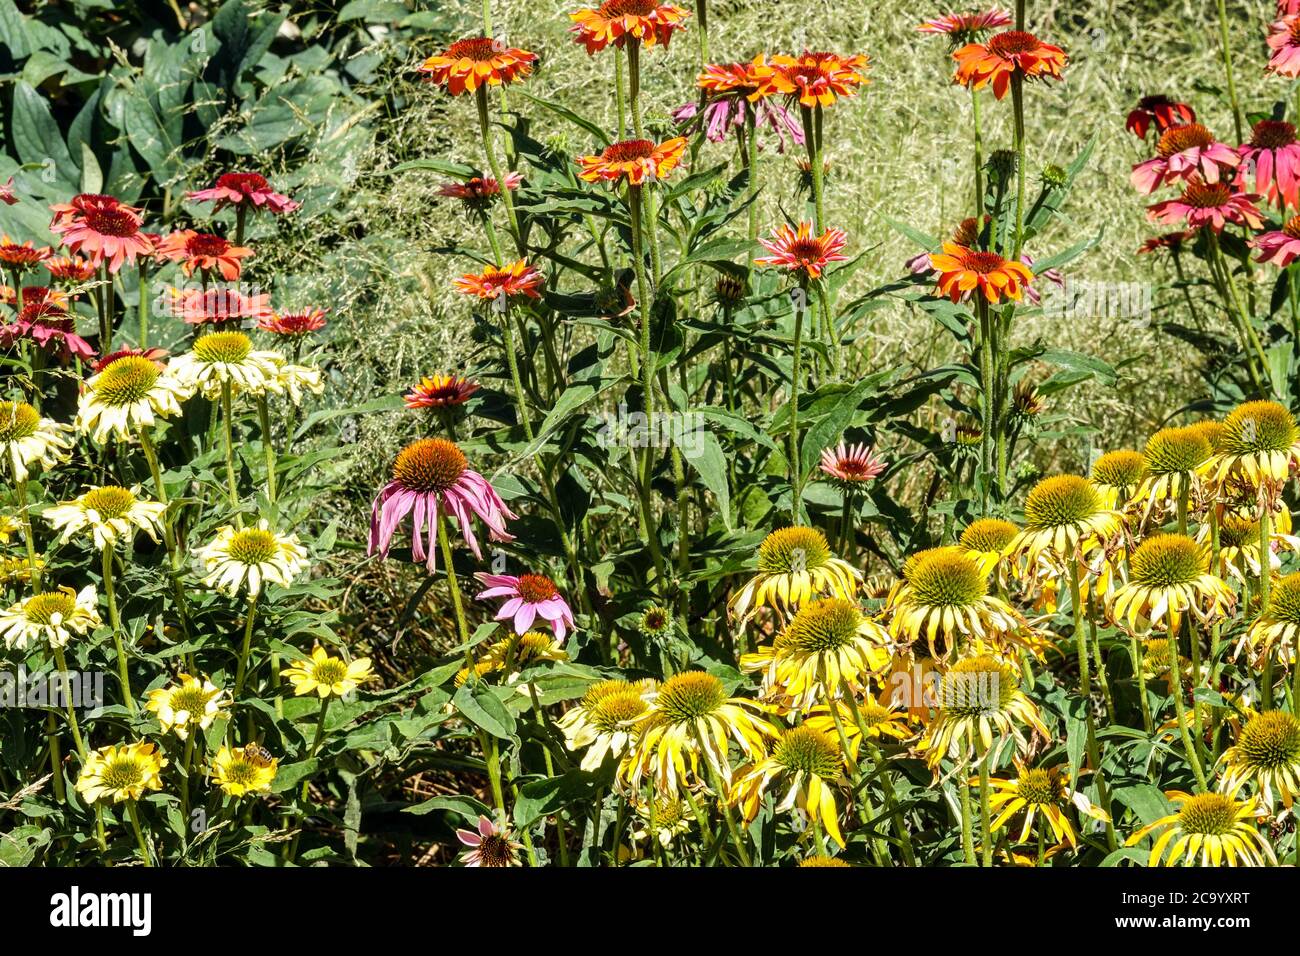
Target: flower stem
(796, 372)
(453, 586)
(1265, 583)
(979, 157)
(33, 563)
(1135, 652)
(1227, 68)
(228, 431)
(1018, 113)
(115, 624)
(169, 532)
(268, 446)
(134, 814)
(967, 826)
(62, 663)
(485, 130)
(986, 817)
(242, 671)
(1180, 710)
(1085, 694)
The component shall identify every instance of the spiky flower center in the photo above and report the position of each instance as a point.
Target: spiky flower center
(532, 646)
(1284, 601)
(616, 710)
(246, 183)
(479, 49)
(1292, 227)
(967, 232)
(253, 546)
(1258, 427)
(1061, 501)
(1236, 531)
(1166, 560)
(793, 549)
(536, 588)
(1272, 134)
(613, 9)
(203, 244)
(1212, 430)
(825, 625)
(977, 686)
(1209, 814)
(122, 774)
(809, 751)
(191, 698)
(655, 621)
(1270, 741)
(329, 671)
(629, 150)
(977, 260)
(1012, 43)
(229, 347)
(109, 502)
(1039, 787)
(1176, 139)
(826, 861)
(689, 696)
(1176, 451)
(1119, 469)
(1206, 195)
(947, 578)
(600, 690)
(429, 464)
(1158, 654)
(114, 221)
(45, 609)
(240, 771)
(126, 380)
(18, 420)
(873, 713)
(666, 813)
(495, 850)
(988, 535)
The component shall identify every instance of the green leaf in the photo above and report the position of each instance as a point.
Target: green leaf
(1078, 362)
(704, 453)
(479, 704)
(565, 113)
(37, 139)
(541, 797)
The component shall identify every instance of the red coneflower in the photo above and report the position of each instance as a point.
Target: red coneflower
(70, 268)
(800, 251)
(615, 20)
(1279, 246)
(440, 391)
(478, 192)
(967, 27)
(204, 252)
(216, 305)
(1206, 204)
(246, 190)
(103, 229)
(294, 324)
(7, 193)
(1173, 241)
(154, 355)
(736, 94)
(1275, 156)
(51, 328)
(815, 79)
(1015, 52)
(851, 465)
(476, 61)
(22, 255)
(518, 278)
(1284, 41)
(1184, 153)
(633, 160)
(1159, 111)
(962, 270)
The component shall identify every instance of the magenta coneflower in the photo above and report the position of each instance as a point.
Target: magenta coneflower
(851, 465)
(1279, 246)
(430, 474)
(51, 328)
(440, 391)
(1214, 205)
(103, 229)
(530, 596)
(966, 27)
(292, 325)
(1159, 111)
(478, 192)
(7, 193)
(732, 98)
(1173, 241)
(1184, 153)
(800, 251)
(154, 355)
(244, 189)
(489, 846)
(1275, 156)
(1284, 41)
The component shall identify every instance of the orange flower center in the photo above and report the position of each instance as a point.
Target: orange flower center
(1013, 43)
(1178, 138)
(430, 464)
(629, 150)
(535, 588)
(982, 262)
(1292, 227)
(111, 221)
(1272, 134)
(806, 249)
(1204, 196)
(475, 48)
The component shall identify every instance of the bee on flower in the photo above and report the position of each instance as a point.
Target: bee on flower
(243, 771)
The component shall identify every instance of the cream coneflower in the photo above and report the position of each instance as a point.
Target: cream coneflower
(109, 513)
(827, 644)
(1259, 447)
(980, 700)
(52, 616)
(1277, 630)
(247, 558)
(880, 721)
(221, 358)
(1168, 577)
(1035, 790)
(128, 395)
(1172, 459)
(295, 381)
(327, 676)
(240, 771)
(27, 439)
(1239, 541)
(1267, 754)
(1117, 475)
(794, 564)
(662, 819)
(1064, 515)
(808, 765)
(121, 773)
(604, 721)
(1208, 829)
(189, 703)
(522, 650)
(691, 717)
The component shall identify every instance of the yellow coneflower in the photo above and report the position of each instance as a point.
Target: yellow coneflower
(828, 643)
(1158, 655)
(690, 717)
(1277, 630)
(1258, 447)
(1266, 753)
(1208, 829)
(809, 765)
(27, 440)
(1172, 459)
(189, 703)
(327, 676)
(109, 513)
(1117, 475)
(877, 719)
(1063, 515)
(605, 720)
(979, 698)
(52, 616)
(9, 527)
(1045, 790)
(1239, 542)
(986, 540)
(121, 773)
(240, 771)
(246, 558)
(662, 819)
(128, 395)
(227, 358)
(1212, 430)
(481, 669)
(1169, 577)
(794, 564)
(519, 651)
(829, 861)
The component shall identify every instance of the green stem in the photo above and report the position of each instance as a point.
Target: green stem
(268, 446)
(115, 624)
(796, 373)
(33, 563)
(242, 671)
(228, 432)
(134, 814)
(62, 663)
(986, 816)
(1085, 694)
(453, 586)
(1227, 67)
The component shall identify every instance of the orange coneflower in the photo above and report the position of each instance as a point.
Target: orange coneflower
(102, 228)
(965, 27)
(215, 305)
(518, 278)
(800, 251)
(70, 268)
(1006, 55)
(21, 255)
(961, 270)
(475, 61)
(440, 391)
(815, 79)
(635, 160)
(294, 324)
(204, 252)
(615, 20)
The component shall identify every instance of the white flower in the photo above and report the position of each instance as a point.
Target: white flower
(221, 357)
(245, 559)
(54, 616)
(110, 512)
(129, 395)
(294, 380)
(27, 439)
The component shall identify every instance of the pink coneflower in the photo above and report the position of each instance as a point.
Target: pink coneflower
(1184, 153)
(51, 328)
(1275, 156)
(154, 355)
(249, 190)
(1287, 8)
(1205, 204)
(1279, 246)
(1284, 41)
(440, 391)
(530, 596)
(103, 229)
(965, 27)
(489, 846)
(70, 268)
(851, 465)
(7, 193)
(1159, 111)
(800, 251)
(1053, 276)
(294, 324)
(733, 98)
(1173, 241)
(478, 192)
(197, 306)
(204, 252)
(428, 474)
